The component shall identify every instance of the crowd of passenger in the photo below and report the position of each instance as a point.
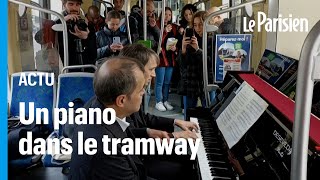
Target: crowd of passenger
(180, 55)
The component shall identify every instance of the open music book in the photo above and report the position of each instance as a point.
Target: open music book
(242, 112)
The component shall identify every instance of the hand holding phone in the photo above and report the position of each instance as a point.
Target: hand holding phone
(116, 40)
(189, 32)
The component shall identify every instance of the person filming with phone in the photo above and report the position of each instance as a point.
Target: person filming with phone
(190, 60)
(111, 40)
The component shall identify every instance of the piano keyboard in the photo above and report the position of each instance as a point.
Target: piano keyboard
(212, 159)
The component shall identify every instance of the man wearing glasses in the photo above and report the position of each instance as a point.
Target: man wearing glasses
(136, 25)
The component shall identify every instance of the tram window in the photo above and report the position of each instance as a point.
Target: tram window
(36, 44)
(36, 25)
(201, 7)
(103, 8)
(55, 6)
(239, 17)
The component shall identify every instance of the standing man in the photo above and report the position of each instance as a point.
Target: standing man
(118, 5)
(95, 19)
(136, 25)
(81, 42)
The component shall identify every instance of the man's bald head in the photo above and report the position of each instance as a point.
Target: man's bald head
(93, 13)
(150, 7)
(115, 77)
(93, 9)
(215, 20)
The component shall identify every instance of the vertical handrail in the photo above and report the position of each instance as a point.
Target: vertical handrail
(146, 96)
(162, 25)
(40, 17)
(127, 21)
(64, 25)
(208, 86)
(304, 91)
(145, 20)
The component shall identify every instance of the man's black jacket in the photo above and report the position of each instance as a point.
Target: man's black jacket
(89, 53)
(139, 122)
(101, 166)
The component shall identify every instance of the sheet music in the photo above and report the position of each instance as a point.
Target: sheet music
(242, 112)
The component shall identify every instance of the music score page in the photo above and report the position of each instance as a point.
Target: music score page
(242, 112)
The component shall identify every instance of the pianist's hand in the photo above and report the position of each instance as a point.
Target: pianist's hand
(153, 133)
(185, 135)
(186, 125)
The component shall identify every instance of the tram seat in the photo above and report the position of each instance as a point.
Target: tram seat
(76, 87)
(43, 96)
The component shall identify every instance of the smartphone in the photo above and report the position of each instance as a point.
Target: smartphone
(116, 40)
(189, 32)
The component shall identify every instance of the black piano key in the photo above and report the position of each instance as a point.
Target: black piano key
(217, 158)
(216, 154)
(214, 164)
(221, 178)
(220, 172)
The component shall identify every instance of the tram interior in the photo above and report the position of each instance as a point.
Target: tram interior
(28, 50)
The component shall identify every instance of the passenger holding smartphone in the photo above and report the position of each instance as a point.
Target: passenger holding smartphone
(186, 21)
(190, 60)
(167, 62)
(191, 82)
(111, 40)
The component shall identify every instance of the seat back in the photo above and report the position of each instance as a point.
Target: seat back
(43, 95)
(74, 87)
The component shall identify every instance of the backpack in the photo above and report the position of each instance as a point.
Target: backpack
(17, 131)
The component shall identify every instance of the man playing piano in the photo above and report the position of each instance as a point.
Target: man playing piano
(124, 94)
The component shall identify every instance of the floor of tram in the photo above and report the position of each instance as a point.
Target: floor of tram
(175, 101)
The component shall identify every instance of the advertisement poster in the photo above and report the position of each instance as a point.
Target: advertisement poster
(273, 66)
(232, 53)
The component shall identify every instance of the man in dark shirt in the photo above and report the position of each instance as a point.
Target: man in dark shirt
(118, 84)
(77, 37)
(118, 5)
(95, 19)
(136, 25)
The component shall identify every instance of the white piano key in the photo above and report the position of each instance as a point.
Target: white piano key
(201, 154)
